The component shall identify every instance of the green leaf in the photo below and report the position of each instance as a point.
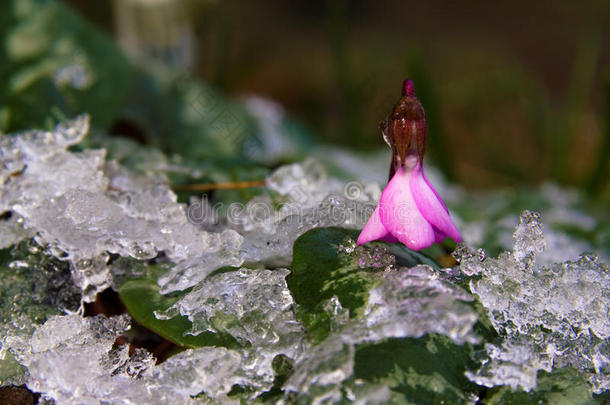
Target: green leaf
(11, 372)
(320, 272)
(141, 297)
(322, 269)
(429, 370)
(562, 387)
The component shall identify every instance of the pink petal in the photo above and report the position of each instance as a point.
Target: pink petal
(400, 215)
(439, 237)
(433, 190)
(374, 230)
(431, 206)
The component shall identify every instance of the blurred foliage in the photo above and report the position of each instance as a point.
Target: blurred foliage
(505, 108)
(492, 120)
(56, 70)
(40, 38)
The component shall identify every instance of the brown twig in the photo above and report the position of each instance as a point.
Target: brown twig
(219, 186)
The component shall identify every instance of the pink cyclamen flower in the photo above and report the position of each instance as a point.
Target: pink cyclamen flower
(410, 211)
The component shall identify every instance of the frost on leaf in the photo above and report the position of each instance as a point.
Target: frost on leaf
(412, 302)
(82, 207)
(33, 287)
(404, 302)
(67, 358)
(548, 316)
(212, 371)
(224, 251)
(253, 306)
(74, 360)
(409, 303)
(260, 233)
(322, 369)
(309, 199)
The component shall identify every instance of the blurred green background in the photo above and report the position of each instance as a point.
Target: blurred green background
(516, 92)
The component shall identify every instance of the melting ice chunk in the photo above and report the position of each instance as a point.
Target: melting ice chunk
(549, 316)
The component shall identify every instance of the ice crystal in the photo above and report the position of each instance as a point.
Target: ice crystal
(408, 302)
(253, 306)
(259, 233)
(411, 302)
(99, 220)
(415, 301)
(12, 230)
(321, 370)
(71, 359)
(82, 207)
(212, 371)
(257, 309)
(309, 199)
(377, 257)
(549, 316)
(67, 357)
(223, 251)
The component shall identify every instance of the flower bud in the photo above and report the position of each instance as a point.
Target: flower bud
(405, 129)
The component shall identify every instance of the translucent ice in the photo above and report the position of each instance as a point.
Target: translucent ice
(12, 231)
(321, 370)
(86, 210)
(71, 359)
(82, 207)
(412, 302)
(66, 358)
(408, 302)
(309, 199)
(548, 316)
(258, 233)
(253, 306)
(256, 308)
(224, 250)
(209, 370)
